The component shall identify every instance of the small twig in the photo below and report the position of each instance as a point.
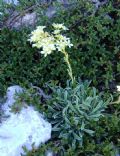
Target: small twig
(16, 16)
(41, 93)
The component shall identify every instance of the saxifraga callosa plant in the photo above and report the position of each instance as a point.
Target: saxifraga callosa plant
(72, 109)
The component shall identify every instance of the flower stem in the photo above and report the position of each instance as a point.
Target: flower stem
(66, 58)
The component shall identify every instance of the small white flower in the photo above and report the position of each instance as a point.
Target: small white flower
(118, 88)
(56, 31)
(59, 26)
(62, 42)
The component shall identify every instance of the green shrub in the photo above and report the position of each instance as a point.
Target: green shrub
(95, 55)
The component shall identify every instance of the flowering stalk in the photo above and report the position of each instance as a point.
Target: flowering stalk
(52, 42)
(66, 58)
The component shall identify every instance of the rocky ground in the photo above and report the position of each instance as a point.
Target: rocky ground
(28, 17)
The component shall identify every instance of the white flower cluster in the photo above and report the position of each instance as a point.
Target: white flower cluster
(50, 42)
(62, 42)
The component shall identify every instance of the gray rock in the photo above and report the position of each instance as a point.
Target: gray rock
(98, 3)
(29, 19)
(21, 129)
(17, 20)
(11, 1)
(51, 11)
